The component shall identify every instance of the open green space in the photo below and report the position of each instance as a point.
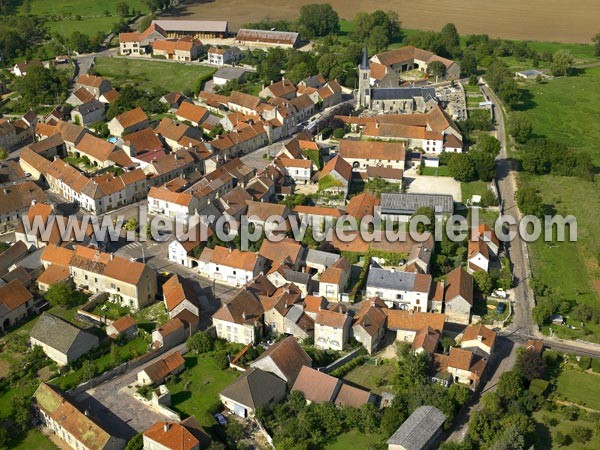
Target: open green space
(579, 387)
(352, 439)
(161, 75)
(549, 423)
(375, 378)
(472, 188)
(441, 171)
(33, 440)
(197, 390)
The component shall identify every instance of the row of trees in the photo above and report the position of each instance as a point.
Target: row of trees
(478, 163)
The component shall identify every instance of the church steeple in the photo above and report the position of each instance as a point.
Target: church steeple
(365, 59)
(363, 97)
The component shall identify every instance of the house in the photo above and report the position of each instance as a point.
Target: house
(332, 329)
(334, 280)
(267, 38)
(157, 372)
(364, 154)
(370, 324)
(399, 207)
(421, 431)
(173, 332)
(284, 359)
(465, 367)
(282, 311)
(353, 397)
(179, 295)
(478, 256)
(230, 266)
(485, 233)
(175, 205)
(94, 84)
(73, 426)
(15, 201)
(129, 283)
(109, 96)
(286, 250)
(128, 122)
(403, 290)
(336, 176)
(479, 339)
(254, 389)
(125, 327)
(420, 257)
(192, 113)
(270, 217)
(281, 89)
(534, 345)
(199, 29)
(80, 97)
(407, 324)
(137, 43)
(244, 103)
(317, 217)
(61, 341)
(21, 69)
(173, 132)
(219, 56)
(14, 133)
(16, 303)
(458, 298)
(173, 99)
(240, 320)
(185, 49)
(282, 274)
(185, 435)
(426, 340)
(316, 386)
(226, 74)
(88, 113)
(362, 205)
(298, 170)
(12, 255)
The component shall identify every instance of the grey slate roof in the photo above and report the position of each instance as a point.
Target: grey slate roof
(90, 107)
(229, 73)
(255, 388)
(320, 257)
(296, 277)
(60, 334)
(295, 313)
(398, 203)
(402, 93)
(388, 279)
(416, 431)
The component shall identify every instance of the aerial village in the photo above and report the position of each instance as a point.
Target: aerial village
(198, 343)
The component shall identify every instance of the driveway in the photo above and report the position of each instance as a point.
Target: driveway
(424, 184)
(117, 410)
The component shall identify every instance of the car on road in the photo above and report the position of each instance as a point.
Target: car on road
(221, 419)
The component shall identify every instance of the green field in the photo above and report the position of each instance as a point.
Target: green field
(352, 439)
(163, 75)
(94, 16)
(566, 110)
(468, 190)
(579, 387)
(198, 390)
(33, 440)
(549, 423)
(375, 378)
(441, 171)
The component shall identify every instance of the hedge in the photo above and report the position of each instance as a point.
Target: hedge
(343, 370)
(596, 365)
(584, 362)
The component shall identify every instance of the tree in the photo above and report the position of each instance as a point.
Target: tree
(511, 385)
(136, 442)
(596, 41)
(60, 294)
(41, 86)
(429, 213)
(131, 224)
(318, 20)
(489, 144)
(80, 42)
(21, 411)
(3, 154)
(530, 202)
(520, 127)
(200, 342)
(483, 281)
(122, 9)
(462, 167)
(562, 63)
(115, 354)
(411, 369)
(450, 39)
(4, 437)
(378, 38)
(582, 434)
(437, 69)
(468, 65)
(562, 440)
(530, 364)
(447, 342)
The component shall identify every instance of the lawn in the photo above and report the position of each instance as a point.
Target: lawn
(197, 391)
(151, 316)
(93, 17)
(441, 171)
(468, 190)
(162, 75)
(566, 110)
(33, 440)
(375, 378)
(352, 439)
(549, 423)
(579, 387)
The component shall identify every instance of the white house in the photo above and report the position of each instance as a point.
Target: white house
(171, 204)
(230, 266)
(332, 329)
(478, 256)
(403, 290)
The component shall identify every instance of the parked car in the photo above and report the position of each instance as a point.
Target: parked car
(500, 293)
(500, 307)
(221, 419)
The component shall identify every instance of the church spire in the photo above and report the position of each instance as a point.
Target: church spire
(365, 59)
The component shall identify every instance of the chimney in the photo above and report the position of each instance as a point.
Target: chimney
(244, 315)
(112, 256)
(480, 338)
(411, 312)
(166, 427)
(33, 202)
(56, 158)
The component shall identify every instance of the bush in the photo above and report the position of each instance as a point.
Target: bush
(344, 369)
(596, 365)
(339, 133)
(221, 359)
(584, 362)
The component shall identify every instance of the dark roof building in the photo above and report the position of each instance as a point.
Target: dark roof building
(256, 388)
(420, 431)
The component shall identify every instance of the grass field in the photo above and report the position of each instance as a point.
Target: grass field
(566, 110)
(579, 387)
(167, 76)
(352, 439)
(441, 171)
(549, 423)
(198, 390)
(33, 440)
(473, 188)
(375, 378)
(93, 17)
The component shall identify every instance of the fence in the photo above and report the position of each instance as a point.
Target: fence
(343, 360)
